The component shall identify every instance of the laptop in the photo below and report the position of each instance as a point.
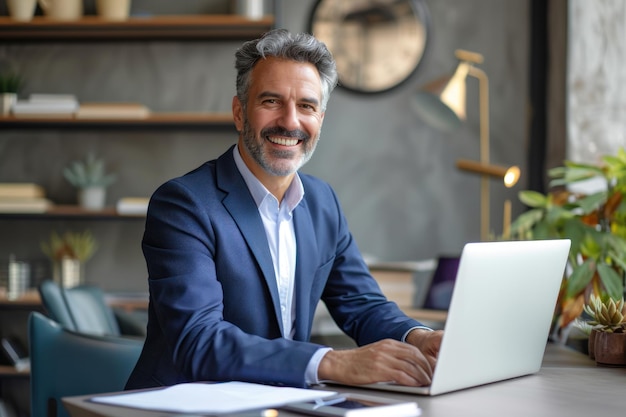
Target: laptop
(500, 314)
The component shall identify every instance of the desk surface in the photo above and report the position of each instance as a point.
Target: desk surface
(568, 383)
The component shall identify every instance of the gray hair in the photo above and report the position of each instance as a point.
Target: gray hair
(280, 43)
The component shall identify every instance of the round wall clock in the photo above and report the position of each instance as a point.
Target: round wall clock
(377, 44)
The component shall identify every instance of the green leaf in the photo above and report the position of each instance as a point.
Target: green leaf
(574, 173)
(544, 230)
(533, 199)
(593, 202)
(580, 278)
(611, 280)
(558, 214)
(526, 221)
(575, 231)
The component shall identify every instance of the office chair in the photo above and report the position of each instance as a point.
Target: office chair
(66, 363)
(83, 309)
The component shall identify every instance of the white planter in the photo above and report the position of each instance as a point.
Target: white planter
(67, 272)
(7, 101)
(22, 10)
(252, 9)
(113, 9)
(92, 198)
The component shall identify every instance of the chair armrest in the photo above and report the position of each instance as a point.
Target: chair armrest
(131, 323)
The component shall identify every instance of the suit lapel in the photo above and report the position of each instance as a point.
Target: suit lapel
(306, 256)
(243, 210)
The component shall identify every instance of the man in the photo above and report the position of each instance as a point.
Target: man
(240, 250)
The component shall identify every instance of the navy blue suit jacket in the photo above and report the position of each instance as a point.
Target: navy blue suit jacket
(214, 306)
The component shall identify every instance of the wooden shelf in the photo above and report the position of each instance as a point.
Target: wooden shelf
(198, 27)
(188, 120)
(29, 299)
(7, 371)
(72, 212)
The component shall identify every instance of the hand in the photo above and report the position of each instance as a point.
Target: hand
(382, 361)
(428, 342)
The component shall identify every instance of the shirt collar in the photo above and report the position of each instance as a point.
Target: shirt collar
(293, 195)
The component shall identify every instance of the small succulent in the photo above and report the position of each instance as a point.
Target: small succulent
(606, 315)
(88, 173)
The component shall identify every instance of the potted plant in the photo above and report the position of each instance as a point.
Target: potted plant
(607, 339)
(68, 253)
(91, 180)
(10, 84)
(595, 223)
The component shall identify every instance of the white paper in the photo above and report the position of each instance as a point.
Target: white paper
(218, 398)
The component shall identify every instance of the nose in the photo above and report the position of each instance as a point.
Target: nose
(289, 117)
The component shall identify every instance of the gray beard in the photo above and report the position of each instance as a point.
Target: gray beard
(258, 152)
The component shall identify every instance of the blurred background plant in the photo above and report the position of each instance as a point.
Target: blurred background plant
(74, 245)
(88, 173)
(594, 221)
(10, 83)
(10, 79)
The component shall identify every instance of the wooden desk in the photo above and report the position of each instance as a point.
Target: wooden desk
(569, 384)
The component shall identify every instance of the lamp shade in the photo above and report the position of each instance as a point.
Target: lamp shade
(441, 103)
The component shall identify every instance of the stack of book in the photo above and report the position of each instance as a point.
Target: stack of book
(112, 111)
(23, 198)
(67, 105)
(132, 206)
(46, 105)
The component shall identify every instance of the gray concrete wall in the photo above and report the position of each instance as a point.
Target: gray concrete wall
(395, 176)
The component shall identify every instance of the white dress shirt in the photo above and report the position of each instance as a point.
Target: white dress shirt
(278, 221)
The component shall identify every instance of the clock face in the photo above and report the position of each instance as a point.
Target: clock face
(377, 44)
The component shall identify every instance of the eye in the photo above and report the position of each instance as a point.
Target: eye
(308, 107)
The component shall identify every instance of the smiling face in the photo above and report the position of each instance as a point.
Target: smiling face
(280, 125)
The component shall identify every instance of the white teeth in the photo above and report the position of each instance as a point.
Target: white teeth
(283, 141)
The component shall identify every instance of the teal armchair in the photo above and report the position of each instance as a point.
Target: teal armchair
(66, 363)
(84, 309)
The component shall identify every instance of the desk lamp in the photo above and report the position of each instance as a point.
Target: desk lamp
(441, 103)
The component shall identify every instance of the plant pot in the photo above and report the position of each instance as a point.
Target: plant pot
(67, 272)
(62, 9)
(113, 9)
(7, 101)
(610, 348)
(92, 198)
(591, 346)
(22, 10)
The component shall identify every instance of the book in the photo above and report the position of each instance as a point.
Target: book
(21, 190)
(46, 105)
(130, 206)
(24, 205)
(112, 111)
(52, 98)
(225, 398)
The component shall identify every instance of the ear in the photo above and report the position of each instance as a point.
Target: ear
(237, 114)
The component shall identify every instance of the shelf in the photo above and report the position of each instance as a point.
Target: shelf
(8, 371)
(28, 300)
(187, 120)
(58, 212)
(191, 27)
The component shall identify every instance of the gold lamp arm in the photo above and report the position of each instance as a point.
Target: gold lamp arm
(483, 107)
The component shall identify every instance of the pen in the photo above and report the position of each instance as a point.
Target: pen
(322, 402)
